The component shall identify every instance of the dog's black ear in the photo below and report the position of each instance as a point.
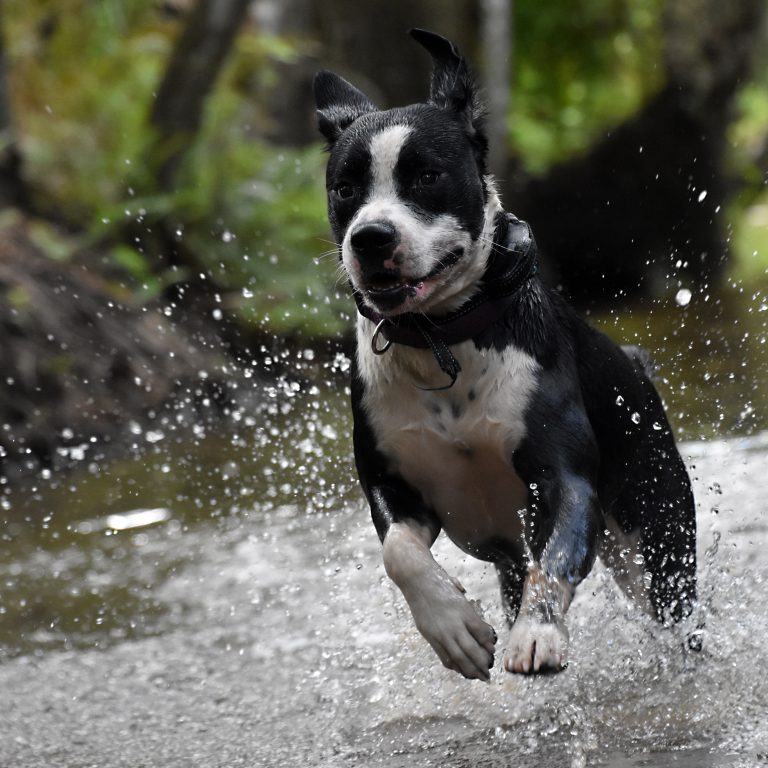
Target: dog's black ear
(452, 85)
(339, 104)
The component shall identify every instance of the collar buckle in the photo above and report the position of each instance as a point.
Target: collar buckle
(374, 348)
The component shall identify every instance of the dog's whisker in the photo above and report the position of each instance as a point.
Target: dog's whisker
(340, 275)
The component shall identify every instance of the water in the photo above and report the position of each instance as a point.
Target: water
(218, 599)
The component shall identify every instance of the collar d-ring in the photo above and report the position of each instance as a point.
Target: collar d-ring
(379, 350)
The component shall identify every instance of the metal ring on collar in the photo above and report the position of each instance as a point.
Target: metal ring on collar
(379, 350)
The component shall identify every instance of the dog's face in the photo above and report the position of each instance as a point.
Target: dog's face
(407, 194)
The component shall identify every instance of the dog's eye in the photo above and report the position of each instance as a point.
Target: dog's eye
(428, 178)
(344, 191)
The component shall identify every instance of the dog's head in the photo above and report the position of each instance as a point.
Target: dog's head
(408, 199)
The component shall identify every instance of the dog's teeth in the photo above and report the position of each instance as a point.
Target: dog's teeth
(382, 285)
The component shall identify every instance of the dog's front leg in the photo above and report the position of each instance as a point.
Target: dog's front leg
(443, 615)
(407, 529)
(564, 515)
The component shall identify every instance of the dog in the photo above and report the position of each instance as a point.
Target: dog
(483, 405)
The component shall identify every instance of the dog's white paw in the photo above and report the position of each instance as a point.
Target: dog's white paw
(461, 639)
(535, 646)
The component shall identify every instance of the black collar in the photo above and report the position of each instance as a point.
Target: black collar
(511, 264)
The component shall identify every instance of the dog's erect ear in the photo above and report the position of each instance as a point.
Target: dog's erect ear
(452, 85)
(339, 104)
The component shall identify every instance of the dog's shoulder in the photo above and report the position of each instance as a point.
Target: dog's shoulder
(539, 323)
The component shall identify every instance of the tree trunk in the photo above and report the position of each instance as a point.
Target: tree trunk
(177, 114)
(12, 190)
(195, 63)
(496, 34)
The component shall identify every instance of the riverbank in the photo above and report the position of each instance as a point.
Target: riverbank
(83, 358)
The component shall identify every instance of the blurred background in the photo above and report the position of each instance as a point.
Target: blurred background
(174, 352)
(162, 157)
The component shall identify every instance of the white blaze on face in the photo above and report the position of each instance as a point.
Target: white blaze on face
(385, 151)
(382, 203)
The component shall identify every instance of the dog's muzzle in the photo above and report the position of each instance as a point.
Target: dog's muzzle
(375, 247)
(374, 244)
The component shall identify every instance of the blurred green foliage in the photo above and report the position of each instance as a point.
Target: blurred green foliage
(748, 140)
(83, 80)
(580, 69)
(84, 74)
(748, 134)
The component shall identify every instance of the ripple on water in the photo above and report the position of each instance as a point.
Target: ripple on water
(292, 616)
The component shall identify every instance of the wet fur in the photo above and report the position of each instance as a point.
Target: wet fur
(552, 446)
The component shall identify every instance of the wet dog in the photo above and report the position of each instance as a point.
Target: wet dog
(483, 405)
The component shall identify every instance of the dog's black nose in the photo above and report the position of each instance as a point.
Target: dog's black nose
(377, 238)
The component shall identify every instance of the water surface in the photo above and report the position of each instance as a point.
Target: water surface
(218, 598)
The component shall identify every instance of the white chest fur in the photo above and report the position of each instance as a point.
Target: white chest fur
(453, 446)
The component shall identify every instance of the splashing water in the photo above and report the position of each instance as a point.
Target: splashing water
(221, 601)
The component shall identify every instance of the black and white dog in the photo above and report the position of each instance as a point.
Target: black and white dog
(483, 405)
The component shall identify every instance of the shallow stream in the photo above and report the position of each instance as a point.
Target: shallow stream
(218, 598)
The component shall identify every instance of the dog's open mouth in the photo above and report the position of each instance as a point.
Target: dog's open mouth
(388, 289)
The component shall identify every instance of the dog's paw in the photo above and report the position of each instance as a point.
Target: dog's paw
(535, 646)
(461, 639)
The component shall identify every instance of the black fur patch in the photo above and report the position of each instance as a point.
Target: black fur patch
(438, 143)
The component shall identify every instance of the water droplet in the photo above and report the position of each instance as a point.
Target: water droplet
(683, 297)
(635, 418)
(619, 400)
(328, 432)
(702, 195)
(710, 552)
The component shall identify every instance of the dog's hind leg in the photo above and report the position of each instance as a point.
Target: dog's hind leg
(650, 546)
(621, 552)
(668, 538)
